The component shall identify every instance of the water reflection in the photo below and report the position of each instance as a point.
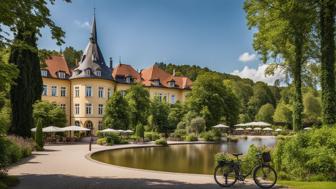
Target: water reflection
(189, 158)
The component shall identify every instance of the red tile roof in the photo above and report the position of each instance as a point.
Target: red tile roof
(55, 64)
(125, 70)
(155, 73)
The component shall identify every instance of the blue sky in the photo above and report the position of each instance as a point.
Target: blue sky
(210, 33)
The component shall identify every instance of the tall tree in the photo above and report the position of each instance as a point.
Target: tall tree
(72, 56)
(327, 28)
(159, 111)
(138, 101)
(28, 87)
(116, 112)
(49, 114)
(283, 34)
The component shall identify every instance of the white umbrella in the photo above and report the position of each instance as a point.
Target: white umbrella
(267, 129)
(75, 128)
(257, 123)
(307, 128)
(257, 128)
(128, 131)
(221, 126)
(121, 131)
(240, 125)
(52, 129)
(277, 130)
(109, 130)
(239, 129)
(49, 129)
(248, 128)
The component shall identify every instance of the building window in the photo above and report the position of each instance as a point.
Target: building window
(109, 93)
(173, 99)
(77, 123)
(88, 109)
(45, 90)
(53, 90)
(101, 92)
(171, 83)
(100, 109)
(76, 109)
(61, 75)
(44, 73)
(63, 107)
(98, 73)
(156, 82)
(76, 91)
(100, 125)
(128, 79)
(63, 91)
(88, 91)
(87, 72)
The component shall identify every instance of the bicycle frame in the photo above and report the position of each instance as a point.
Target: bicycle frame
(237, 168)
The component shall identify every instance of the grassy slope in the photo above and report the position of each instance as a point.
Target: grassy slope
(308, 185)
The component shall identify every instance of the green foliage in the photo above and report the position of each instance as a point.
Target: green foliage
(137, 98)
(308, 155)
(210, 135)
(265, 113)
(159, 112)
(161, 141)
(112, 138)
(176, 113)
(312, 108)
(102, 141)
(282, 114)
(197, 125)
(72, 56)
(191, 137)
(39, 135)
(208, 90)
(49, 114)
(262, 95)
(116, 113)
(152, 136)
(140, 131)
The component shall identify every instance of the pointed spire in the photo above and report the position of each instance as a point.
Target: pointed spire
(94, 30)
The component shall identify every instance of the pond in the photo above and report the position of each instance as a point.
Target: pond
(183, 158)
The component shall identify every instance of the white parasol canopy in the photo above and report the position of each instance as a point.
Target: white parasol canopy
(128, 131)
(307, 128)
(267, 129)
(277, 130)
(257, 123)
(220, 126)
(75, 128)
(239, 129)
(109, 130)
(248, 128)
(257, 128)
(240, 125)
(49, 129)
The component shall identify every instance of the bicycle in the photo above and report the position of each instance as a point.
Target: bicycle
(228, 172)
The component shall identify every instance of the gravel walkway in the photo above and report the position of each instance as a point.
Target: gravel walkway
(66, 166)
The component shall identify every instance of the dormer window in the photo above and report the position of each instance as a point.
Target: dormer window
(98, 73)
(44, 73)
(61, 75)
(171, 84)
(156, 82)
(128, 79)
(87, 72)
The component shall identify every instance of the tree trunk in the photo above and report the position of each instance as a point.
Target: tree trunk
(297, 67)
(327, 22)
(28, 86)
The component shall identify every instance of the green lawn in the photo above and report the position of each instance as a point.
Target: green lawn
(308, 185)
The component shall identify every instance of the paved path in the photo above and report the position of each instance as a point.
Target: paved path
(66, 166)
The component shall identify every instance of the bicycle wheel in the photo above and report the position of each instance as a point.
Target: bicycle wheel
(225, 175)
(264, 176)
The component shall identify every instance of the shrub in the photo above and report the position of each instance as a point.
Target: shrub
(210, 135)
(140, 131)
(161, 141)
(102, 141)
(152, 136)
(112, 138)
(191, 137)
(39, 135)
(197, 125)
(233, 138)
(308, 155)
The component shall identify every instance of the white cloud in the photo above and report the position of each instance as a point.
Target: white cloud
(258, 74)
(85, 25)
(246, 57)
